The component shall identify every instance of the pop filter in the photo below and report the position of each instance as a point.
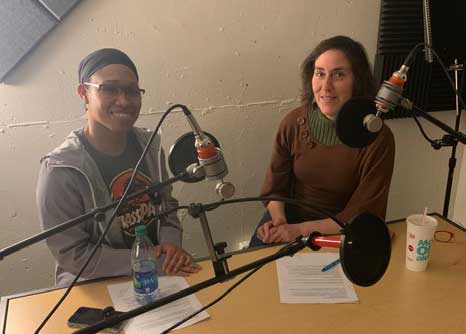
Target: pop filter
(350, 123)
(365, 249)
(183, 154)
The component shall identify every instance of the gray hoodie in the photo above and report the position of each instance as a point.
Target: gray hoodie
(71, 185)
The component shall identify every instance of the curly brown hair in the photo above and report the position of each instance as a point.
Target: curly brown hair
(364, 82)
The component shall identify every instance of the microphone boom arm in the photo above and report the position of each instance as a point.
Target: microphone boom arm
(457, 135)
(288, 250)
(97, 212)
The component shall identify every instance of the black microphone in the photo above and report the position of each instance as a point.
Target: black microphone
(205, 151)
(350, 126)
(365, 248)
(358, 122)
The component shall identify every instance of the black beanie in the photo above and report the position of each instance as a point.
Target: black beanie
(101, 58)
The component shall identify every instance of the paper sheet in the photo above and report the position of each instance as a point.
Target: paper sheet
(301, 280)
(157, 320)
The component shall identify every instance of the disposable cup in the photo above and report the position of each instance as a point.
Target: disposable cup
(419, 235)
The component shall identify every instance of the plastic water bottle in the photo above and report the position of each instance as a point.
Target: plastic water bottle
(146, 284)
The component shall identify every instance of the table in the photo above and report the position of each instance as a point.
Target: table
(405, 302)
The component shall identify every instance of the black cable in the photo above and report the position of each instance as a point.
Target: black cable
(410, 57)
(215, 301)
(214, 205)
(450, 80)
(112, 218)
(431, 141)
(210, 206)
(407, 62)
(168, 212)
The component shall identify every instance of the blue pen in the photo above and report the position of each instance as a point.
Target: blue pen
(330, 265)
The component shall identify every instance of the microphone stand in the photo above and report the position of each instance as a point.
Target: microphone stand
(448, 140)
(216, 251)
(451, 139)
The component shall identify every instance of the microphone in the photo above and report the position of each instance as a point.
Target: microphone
(359, 120)
(357, 124)
(212, 165)
(390, 94)
(365, 248)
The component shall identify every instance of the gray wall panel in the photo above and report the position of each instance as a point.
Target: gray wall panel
(22, 24)
(59, 8)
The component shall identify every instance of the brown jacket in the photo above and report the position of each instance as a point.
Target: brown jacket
(337, 179)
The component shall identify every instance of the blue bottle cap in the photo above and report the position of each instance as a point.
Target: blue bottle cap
(140, 230)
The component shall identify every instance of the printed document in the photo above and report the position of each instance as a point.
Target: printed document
(301, 280)
(157, 320)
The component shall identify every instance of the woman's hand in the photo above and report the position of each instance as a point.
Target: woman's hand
(263, 232)
(289, 232)
(285, 232)
(177, 261)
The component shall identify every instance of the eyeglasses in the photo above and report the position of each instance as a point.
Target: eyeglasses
(111, 91)
(444, 236)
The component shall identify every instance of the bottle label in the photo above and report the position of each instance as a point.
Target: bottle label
(145, 279)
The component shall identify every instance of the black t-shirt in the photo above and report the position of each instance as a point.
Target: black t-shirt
(116, 172)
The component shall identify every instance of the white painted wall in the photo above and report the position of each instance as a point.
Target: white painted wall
(459, 213)
(235, 63)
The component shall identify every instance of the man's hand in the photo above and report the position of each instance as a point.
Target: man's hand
(177, 261)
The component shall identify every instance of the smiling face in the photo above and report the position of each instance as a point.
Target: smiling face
(118, 113)
(332, 82)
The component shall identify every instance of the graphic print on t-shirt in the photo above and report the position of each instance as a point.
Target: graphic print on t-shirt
(139, 210)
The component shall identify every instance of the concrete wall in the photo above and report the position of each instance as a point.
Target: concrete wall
(235, 63)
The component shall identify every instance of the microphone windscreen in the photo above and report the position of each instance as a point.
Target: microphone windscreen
(183, 154)
(349, 123)
(365, 249)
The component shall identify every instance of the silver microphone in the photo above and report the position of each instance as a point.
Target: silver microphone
(359, 120)
(210, 159)
(389, 96)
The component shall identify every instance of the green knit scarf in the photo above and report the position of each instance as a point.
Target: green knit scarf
(322, 128)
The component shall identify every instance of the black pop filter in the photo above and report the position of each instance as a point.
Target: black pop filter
(349, 123)
(183, 153)
(365, 249)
